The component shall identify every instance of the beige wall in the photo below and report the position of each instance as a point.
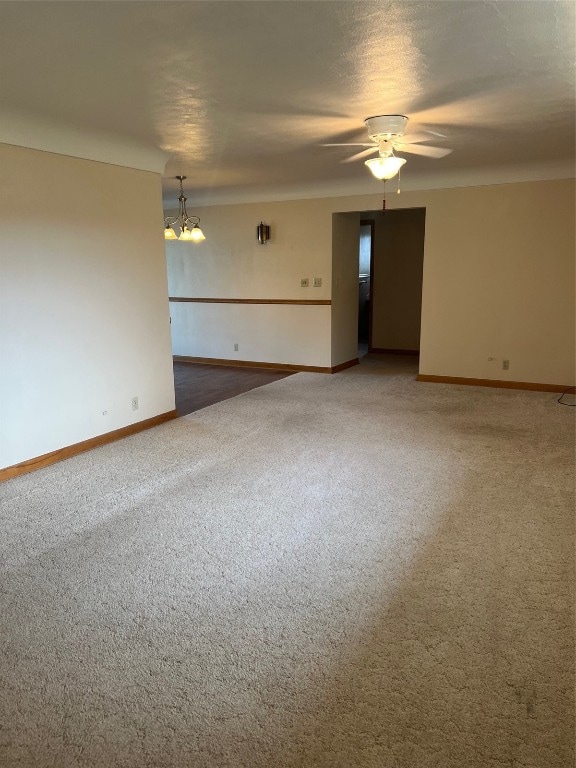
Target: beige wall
(83, 301)
(345, 244)
(499, 282)
(231, 263)
(277, 333)
(498, 277)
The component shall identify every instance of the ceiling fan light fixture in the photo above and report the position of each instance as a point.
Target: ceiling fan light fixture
(385, 126)
(384, 168)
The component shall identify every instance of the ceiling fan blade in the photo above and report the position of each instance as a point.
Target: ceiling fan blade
(416, 138)
(350, 144)
(422, 149)
(358, 155)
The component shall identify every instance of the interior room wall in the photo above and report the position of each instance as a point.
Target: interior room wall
(498, 277)
(345, 246)
(263, 333)
(499, 282)
(232, 264)
(83, 301)
(396, 290)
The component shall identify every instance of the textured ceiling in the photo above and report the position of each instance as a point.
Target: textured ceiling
(241, 94)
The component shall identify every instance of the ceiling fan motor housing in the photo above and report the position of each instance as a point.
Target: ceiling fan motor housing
(382, 127)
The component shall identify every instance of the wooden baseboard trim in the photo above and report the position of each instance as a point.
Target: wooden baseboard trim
(86, 445)
(258, 364)
(296, 302)
(383, 351)
(497, 383)
(343, 366)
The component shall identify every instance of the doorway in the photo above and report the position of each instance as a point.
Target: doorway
(365, 263)
(391, 260)
(392, 299)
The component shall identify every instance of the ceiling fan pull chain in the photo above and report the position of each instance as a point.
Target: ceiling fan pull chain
(398, 190)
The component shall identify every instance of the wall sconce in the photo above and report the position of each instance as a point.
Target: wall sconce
(263, 233)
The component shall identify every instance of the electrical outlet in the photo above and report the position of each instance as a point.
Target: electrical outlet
(304, 282)
(235, 347)
(134, 403)
(505, 365)
(317, 282)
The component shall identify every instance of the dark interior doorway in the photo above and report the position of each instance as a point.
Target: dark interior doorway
(365, 264)
(394, 303)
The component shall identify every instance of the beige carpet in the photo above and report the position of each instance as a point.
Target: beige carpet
(331, 571)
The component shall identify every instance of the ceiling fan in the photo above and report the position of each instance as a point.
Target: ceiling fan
(387, 133)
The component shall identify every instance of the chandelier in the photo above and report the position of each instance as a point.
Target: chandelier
(189, 225)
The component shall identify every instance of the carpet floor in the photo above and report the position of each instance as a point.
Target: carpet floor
(342, 571)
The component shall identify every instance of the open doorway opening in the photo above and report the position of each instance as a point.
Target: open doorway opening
(365, 259)
(391, 260)
(377, 285)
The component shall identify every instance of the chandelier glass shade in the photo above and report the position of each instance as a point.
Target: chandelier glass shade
(385, 167)
(189, 225)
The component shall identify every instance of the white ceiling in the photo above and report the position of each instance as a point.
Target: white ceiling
(241, 94)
